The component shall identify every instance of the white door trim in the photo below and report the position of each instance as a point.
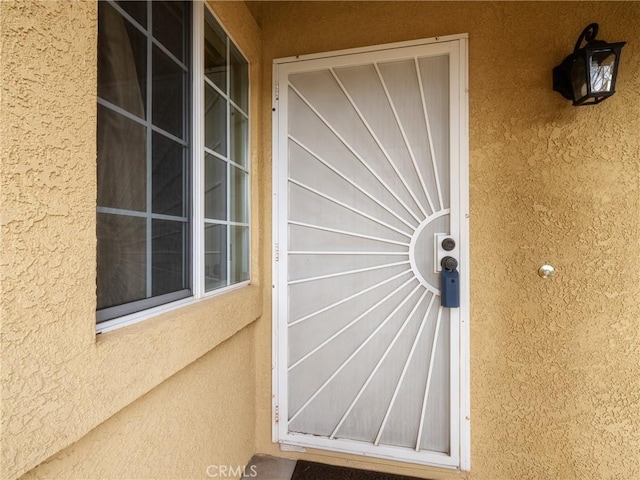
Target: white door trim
(374, 48)
(460, 394)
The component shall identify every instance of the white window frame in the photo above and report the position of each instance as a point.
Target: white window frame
(197, 152)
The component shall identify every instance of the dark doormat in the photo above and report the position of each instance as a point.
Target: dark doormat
(318, 471)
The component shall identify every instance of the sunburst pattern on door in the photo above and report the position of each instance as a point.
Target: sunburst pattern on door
(368, 188)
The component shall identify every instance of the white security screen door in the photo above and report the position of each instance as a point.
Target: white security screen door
(370, 175)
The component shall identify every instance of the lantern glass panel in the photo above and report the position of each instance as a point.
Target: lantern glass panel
(579, 78)
(601, 69)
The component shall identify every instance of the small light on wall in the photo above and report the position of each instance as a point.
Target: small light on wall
(588, 75)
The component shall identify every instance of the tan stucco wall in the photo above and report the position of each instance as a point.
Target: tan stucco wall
(201, 419)
(58, 381)
(555, 365)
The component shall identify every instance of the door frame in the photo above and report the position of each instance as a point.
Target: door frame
(459, 459)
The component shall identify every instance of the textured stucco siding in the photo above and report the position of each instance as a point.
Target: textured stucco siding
(58, 380)
(195, 422)
(555, 365)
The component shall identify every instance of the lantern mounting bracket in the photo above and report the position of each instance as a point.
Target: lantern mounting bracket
(587, 35)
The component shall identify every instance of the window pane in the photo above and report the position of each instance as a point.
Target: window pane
(140, 170)
(122, 61)
(122, 164)
(138, 10)
(239, 254)
(215, 122)
(168, 26)
(238, 200)
(239, 87)
(578, 80)
(122, 259)
(226, 134)
(239, 137)
(215, 256)
(168, 176)
(215, 52)
(601, 67)
(215, 188)
(168, 257)
(168, 94)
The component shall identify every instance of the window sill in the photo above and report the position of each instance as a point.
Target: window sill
(194, 325)
(154, 312)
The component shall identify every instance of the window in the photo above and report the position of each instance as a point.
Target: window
(173, 167)
(226, 216)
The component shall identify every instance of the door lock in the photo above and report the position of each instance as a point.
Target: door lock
(445, 245)
(448, 244)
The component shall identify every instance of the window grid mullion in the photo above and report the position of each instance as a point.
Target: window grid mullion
(224, 94)
(107, 104)
(240, 110)
(187, 195)
(222, 157)
(168, 53)
(135, 213)
(218, 90)
(171, 136)
(142, 121)
(211, 221)
(228, 120)
(149, 156)
(127, 17)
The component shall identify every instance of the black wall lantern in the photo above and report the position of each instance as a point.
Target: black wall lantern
(588, 75)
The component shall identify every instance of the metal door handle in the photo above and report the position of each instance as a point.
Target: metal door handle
(449, 263)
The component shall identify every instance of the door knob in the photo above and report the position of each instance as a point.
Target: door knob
(449, 263)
